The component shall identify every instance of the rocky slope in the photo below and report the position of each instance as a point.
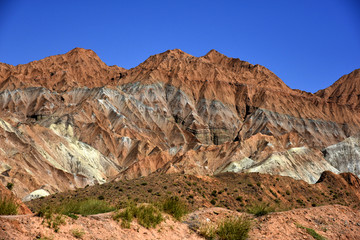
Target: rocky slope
(231, 195)
(70, 120)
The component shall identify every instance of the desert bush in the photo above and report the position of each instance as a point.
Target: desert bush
(147, 215)
(227, 229)
(9, 185)
(72, 207)
(239, 198)
(207, 230)
(8, 206)
(260, 209)
(85, 207)
(54, 220)
(312, 232)
(126, 215)
(77, 233)
(234, 229)
(175, 207)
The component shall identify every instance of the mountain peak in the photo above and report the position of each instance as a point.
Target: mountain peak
(81, 52)
(214, 56)
(177, 53)
(213, 53)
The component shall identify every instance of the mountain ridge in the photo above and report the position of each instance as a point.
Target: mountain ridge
(75, 121)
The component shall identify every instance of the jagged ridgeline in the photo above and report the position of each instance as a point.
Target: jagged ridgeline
(70, 120)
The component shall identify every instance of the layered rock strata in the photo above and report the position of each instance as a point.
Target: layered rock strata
(70, 120)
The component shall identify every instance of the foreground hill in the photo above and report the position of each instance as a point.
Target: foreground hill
(235, 191)
(70, 120)
(210, 200)
(332, 222)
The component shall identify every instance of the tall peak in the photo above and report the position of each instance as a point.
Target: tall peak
(176, 53)
(81, 52)
(213, 52)
(214, 56)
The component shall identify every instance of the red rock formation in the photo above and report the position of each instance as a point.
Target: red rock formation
(77, 68)
(78, 121)
(345, 91)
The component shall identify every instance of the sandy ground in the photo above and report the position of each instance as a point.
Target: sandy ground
(94, 227)
(331, 222)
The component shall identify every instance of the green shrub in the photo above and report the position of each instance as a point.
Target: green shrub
(8, 206)
(312, 232)
(147, 215)
(260, 209)
(56, 222)
(72, 207)
(9, 186)
(85, 207)
(175, 207)
(101, 197)
(227, 229)
(126, 215)
(52, 219)
(208, 231)
(239, 198)
(77, 233)
(234, 229)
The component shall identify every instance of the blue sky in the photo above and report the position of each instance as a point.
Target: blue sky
(309, 44)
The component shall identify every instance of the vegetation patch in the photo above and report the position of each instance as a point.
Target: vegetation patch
(77, 233)
(54, 216)
(175, 207)
(52, 219)
(8, 206)
(227, 229)
(261, 209)
(312, 232)
(86, 207)
(147, 216)
(9, 186)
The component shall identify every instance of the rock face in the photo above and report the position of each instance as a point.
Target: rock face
(70, 120)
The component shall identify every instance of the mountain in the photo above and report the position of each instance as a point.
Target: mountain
(70, 120)
(345, 91)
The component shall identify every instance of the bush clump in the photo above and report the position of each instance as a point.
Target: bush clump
(72, 207)
(147, 215)
(78, 233)
(9, 186)
(85, 207)
(8, 206)
(175, 207)
(311, 232)
(260, 209)
(53, 219)
(228, 229)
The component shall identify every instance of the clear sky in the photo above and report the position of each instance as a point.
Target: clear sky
(309, 44)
